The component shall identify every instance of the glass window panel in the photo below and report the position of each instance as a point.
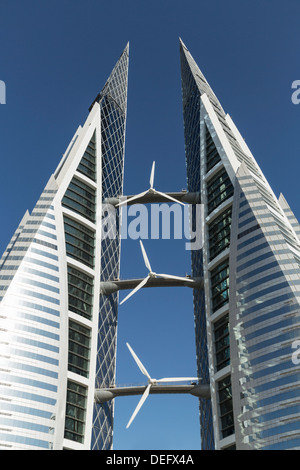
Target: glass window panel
(219, 233)
(80, 198)
(80, 241)
(212, 155)
(225, 407)
(80, 287)
(79, 348)
(222, 346)
(220, 285)
(219, 188)
(75, 412)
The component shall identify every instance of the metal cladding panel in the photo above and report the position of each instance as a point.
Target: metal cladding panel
(30, 332)
(264, 322)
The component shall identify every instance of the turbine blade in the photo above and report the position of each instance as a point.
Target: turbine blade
(168, 197)
(179, 278)
(147, 262)
(139, 363)
(138, 287)
(139, 405)
(137, 196)
(177, 379)
(152, 175)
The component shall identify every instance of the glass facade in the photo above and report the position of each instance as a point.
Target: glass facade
(191, 115)
(112, 103)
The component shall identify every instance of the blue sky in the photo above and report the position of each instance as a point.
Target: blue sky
(55, 56)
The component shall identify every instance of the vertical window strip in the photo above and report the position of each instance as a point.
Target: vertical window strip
(75, 412)
(79, 348)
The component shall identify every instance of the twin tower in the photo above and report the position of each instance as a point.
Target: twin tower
(59, 282)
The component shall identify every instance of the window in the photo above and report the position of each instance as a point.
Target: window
(87, 165)
(80, 241)
(80, 287)
(79, 348)
(219, 188)
(81, 198)
(220, 285)
(212, 155)
(225, 407)
(75, 412)
(222, 347)
(219, 233)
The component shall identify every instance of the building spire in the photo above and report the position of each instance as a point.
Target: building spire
(189, 66)
(117, 82)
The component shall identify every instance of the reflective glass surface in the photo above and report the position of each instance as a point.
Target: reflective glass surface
(79, 348)
(80, 288)
(87, 165)
(113, 103)
(191, 116)
(80, 241)
(219, 188)
(219, 233)
(80, 198)
(75, 412)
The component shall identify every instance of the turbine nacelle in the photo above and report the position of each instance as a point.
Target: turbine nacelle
(151, 382)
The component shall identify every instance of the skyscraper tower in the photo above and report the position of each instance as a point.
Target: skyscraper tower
(59, 288)
(54, 337)
(248, 316)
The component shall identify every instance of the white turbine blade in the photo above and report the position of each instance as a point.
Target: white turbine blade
(140, 404)
(137, 196)
(139, 363)
(138, 287)
(147, 262)
(168, 197)
(152, 175)
(177, 379)
(179, 278)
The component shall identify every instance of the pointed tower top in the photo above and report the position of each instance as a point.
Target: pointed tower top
(116, 84)
(189, 67)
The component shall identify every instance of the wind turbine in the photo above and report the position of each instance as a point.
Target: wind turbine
(150, 190)
(151, 382)
(151, 275)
